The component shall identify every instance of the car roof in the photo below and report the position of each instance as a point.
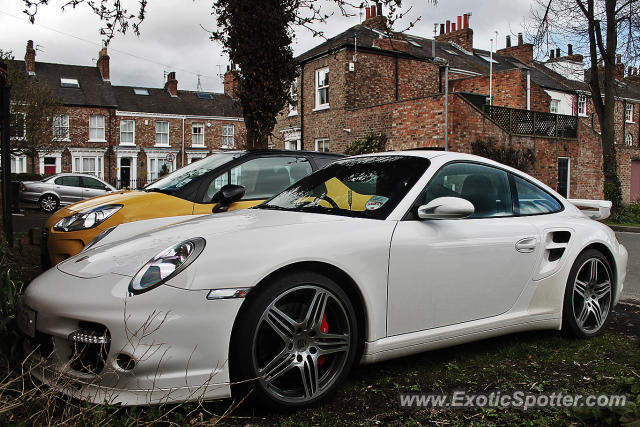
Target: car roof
(288, 152)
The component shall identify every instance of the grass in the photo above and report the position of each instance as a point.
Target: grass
(535, 362)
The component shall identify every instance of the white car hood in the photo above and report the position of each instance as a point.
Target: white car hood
(128, 255)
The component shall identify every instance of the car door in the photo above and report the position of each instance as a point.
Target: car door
(262, 177)
(68, 188)
(92, 187)
(446, 272)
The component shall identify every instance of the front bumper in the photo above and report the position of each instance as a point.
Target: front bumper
(178, 340)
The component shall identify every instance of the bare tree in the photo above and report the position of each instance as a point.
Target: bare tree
(33, 105)
(601, 28)
(257, 37)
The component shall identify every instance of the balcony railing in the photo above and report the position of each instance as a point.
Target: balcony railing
(535, 123)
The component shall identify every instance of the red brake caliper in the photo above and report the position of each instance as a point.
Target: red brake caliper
(324, 327)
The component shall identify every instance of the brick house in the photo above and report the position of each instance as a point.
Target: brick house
(366, 80)
(126, 135)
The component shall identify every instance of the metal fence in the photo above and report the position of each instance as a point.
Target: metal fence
(526, 122)
(132, 184)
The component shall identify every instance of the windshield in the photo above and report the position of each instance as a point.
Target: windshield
(364, 187)
(183, 176)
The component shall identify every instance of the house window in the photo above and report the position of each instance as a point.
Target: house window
(582, 105)
(162, 133)
(629, 140)
(127, 132)
(322, 145)
(17, 127)
(91, 165)
(293, 144)
(141, 91)
(555, 106)
(96, 127)
(293, 94)
(322, 88)
(629, 113)
(18, 164)
(69, 83)
(158, 167)
(197, 134)
(61, 126)
(227, 136)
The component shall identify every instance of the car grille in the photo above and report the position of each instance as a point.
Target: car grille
(89, 357)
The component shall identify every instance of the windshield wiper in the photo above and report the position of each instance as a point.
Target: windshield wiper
(157, 190)
(271, 207)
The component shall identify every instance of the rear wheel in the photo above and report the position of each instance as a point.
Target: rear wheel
(49, 203)
(588, 298)
(296, 341)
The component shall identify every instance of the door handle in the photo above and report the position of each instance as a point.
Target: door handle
(526, 245)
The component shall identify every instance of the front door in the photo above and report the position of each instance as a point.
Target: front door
(125, 173)
(635, 180)
(50, 166)
(563, 176)
(445, 272)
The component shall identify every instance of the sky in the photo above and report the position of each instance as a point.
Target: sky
(173, 39)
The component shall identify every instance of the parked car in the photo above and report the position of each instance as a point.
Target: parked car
(371, 258)
(190, 190)
(63, 189)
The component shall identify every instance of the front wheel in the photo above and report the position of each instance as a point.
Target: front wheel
(49, 203)
(296, 341)
(588, 298)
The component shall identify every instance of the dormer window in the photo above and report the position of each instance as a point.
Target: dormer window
(139, 91)
(69, 83)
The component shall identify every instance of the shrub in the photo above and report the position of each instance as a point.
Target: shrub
(629, 214)
(371, 143)
(521, 158)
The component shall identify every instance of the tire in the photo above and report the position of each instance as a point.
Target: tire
(49, 203)
(292, 356)
(588, 297)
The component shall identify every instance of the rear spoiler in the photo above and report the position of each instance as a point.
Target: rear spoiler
(594, 209)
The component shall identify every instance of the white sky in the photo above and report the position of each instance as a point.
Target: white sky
(172, 38)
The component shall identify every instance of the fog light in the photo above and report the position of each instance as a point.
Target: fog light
(125, 362)
(88, 337)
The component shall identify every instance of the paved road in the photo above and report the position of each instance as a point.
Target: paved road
(631, 241)
(27, 219)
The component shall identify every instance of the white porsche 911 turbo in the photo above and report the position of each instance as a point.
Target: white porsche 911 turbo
(371, 258)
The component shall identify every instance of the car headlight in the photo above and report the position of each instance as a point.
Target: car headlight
(99, 237)
(86, 219)
(166, 265)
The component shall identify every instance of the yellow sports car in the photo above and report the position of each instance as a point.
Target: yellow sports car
(191, 190)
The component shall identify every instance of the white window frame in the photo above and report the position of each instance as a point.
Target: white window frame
(55, 154)
(320, 87)
(69, 83)
(554, 103)
(97, 125)
(160, 144)
(582, 105)
(18, 163)
(293, 144)
(24, 125)
(195, 136)
(152, 163)
(293, 93)
(629, 140)
(65, 120)
(325, 143)
(77, 164)
(132, 132)
(228, 138)
(628, 113)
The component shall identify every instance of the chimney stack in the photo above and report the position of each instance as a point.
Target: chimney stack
(103, 64)
(172, 84)
(457, 32)
(231, 82)
(30, 59)
(508, 41)
(619, 67)
(520, 39)
(375, 18)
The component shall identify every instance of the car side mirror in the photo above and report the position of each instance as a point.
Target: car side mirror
(227, 195)
(107, 189)
(446, 208)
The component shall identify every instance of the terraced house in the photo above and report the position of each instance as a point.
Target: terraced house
(127, 135)
(423, 92)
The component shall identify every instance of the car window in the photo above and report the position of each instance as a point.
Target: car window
(324, 161)
(215, 186)
(364, 187)
(487, 188)
(88, 182)
(533, 200)
(71, 181)
(266, 176)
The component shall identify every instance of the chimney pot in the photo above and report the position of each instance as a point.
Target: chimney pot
(466, 20)
(103, 64)
(459, 22)
(448, 26)
(231, 83)
(441, 29)
(508, 41)
(635, 71)
(619, 58)
(453, 26)
(629, 71)
(569, 49)
(520, 39)
(373, 11)
(368, 12)
(379, 8)
(30, 58)
(551, 54)
(557, 52)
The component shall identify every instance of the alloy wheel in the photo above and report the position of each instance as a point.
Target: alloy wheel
(48, 203)
(301, 344)
(591, 295)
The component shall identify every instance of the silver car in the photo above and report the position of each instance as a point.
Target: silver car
(63, 189)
